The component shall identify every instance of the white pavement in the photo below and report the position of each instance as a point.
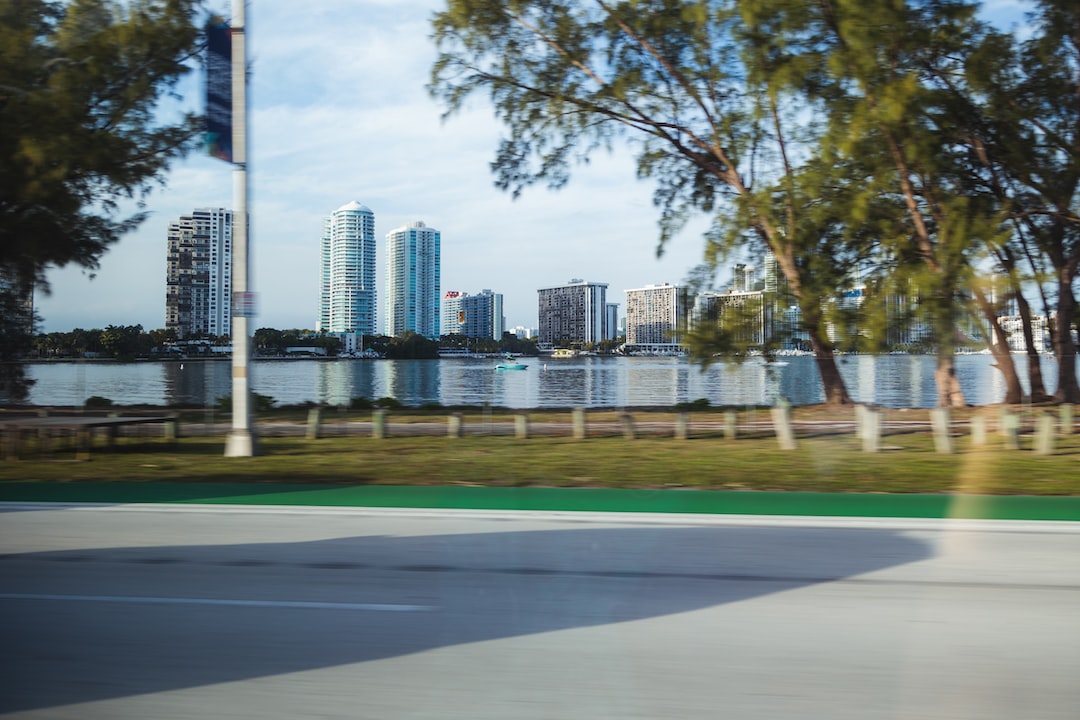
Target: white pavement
(234, 612)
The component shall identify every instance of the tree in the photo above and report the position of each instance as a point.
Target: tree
(86, 341)
(80, 82)
(682, 81)
(1028, 145)
(125, 341)
(884, 71)
(511, 343)
(330, 343)
(160, 338)
(410, 345)
(16, 338)
(269, 341)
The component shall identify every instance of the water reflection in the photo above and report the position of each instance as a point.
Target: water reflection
(891, 381)
(196, 383)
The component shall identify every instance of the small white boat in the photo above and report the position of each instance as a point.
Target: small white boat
(511, 366)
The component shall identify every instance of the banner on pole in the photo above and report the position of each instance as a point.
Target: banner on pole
(243, 304)
(219, 89)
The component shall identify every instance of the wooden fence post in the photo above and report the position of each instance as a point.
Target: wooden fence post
(731, 424)
(314, 423)
(860, 421)
(781, 417)
(378, 424)
(581, 429)
(682, 425)
(627, 422)
(1044, 434)
(172, 428)
(1010, 428)
(1066, 419)
(941, 423)
(871, 430)
(978, 429)
(521, 426)
(454, 425)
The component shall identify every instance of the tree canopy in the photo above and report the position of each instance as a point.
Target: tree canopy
(80, 132)
(79, 87)
(849, 139)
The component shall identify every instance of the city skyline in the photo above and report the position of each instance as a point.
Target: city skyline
(384, 144)
(319, 133)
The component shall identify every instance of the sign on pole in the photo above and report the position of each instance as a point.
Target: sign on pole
(243, 304)
(219, 89)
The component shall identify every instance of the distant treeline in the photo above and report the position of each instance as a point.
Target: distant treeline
(132, 341)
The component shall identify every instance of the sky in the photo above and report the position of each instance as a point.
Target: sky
(340, 112)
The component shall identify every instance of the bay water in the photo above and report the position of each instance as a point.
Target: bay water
(596, 382)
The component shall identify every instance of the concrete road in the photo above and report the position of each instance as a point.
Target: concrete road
(133, 612)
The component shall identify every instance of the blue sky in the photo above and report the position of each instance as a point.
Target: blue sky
(340, 113)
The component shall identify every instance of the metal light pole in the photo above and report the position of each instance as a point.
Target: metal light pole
(240, 441)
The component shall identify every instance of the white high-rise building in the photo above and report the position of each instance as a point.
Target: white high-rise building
(653, 316)
(413, 264)
(479, 316)
(198, 276)
(572, 314)
(347, 288)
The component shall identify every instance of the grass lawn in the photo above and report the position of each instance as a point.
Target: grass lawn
(825, 461)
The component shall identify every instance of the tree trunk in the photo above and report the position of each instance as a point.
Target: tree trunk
(833, 383)
(999, 348)
(1068, 391)
(1035, 377)
(1003, 361)
(949, 394)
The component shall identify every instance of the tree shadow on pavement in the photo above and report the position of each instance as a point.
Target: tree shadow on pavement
(78, 628)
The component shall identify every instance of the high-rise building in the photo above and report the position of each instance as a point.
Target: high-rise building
(522, 332)
(575, 313)
(654, 315)
(771, 273)
(347, 288)
(199, 273)
(413, 264)
(478, 316)
(749, 317)
(611, 321)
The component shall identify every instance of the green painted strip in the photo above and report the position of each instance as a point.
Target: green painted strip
(990, 507)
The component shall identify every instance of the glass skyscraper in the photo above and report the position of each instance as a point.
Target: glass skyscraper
(413, 263)
(347, 301)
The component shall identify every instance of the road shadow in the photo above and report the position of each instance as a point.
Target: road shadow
(432, 591)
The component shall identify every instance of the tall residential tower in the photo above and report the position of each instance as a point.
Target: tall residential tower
(347, 298)
(654, 315)
(198, 279)
(479, 316)
(573, 314)
(412, 280)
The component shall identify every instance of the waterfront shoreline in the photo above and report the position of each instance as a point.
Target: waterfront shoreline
(611, 382)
